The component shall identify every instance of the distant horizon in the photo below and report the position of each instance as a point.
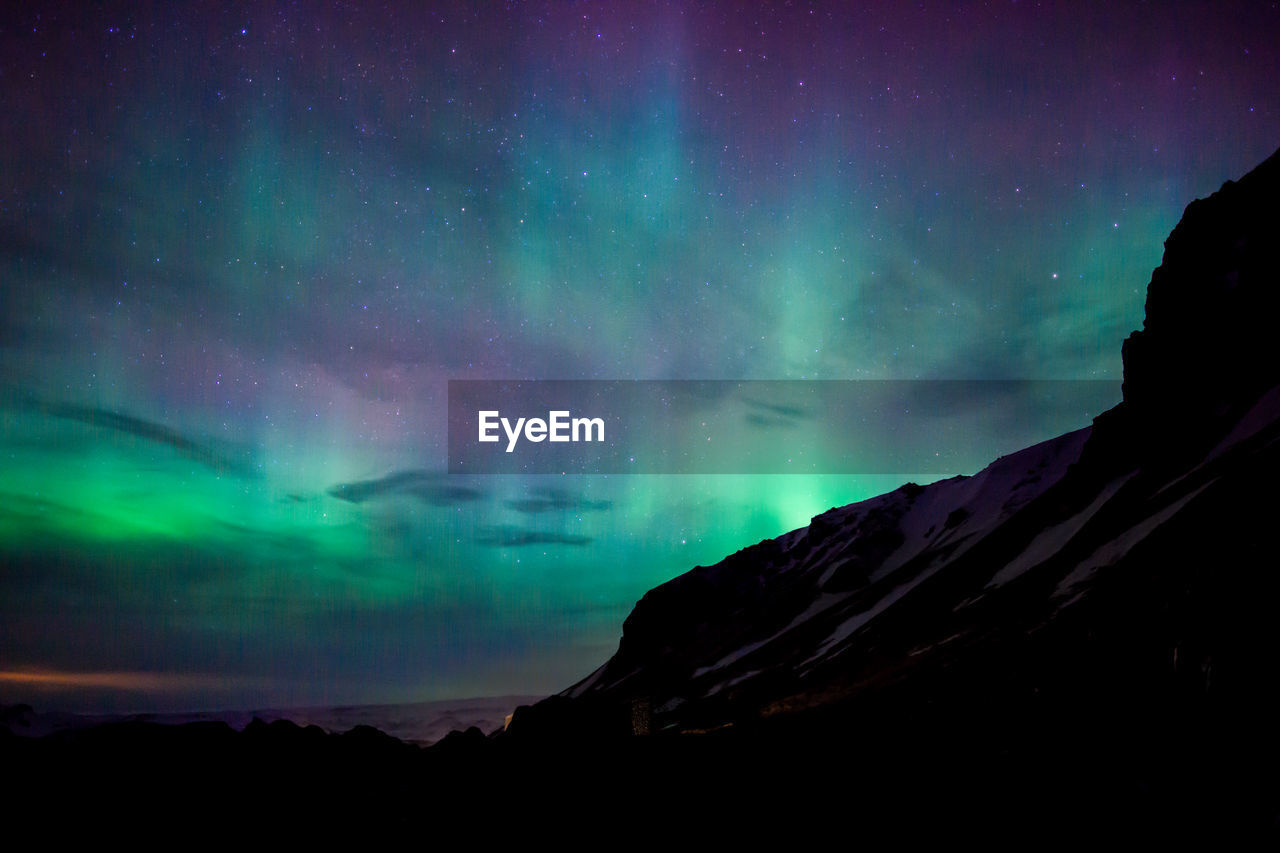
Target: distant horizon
(46, 703)
(44, 709)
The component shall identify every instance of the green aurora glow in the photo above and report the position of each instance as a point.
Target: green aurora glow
(243, 251)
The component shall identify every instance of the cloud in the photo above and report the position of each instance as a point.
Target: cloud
(552, 500)
(431, 488)
(762, 422)
(147, 431)
(511, 536)
(777, 409)
(773, 415)
(445, 495)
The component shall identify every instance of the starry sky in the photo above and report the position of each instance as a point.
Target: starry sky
(244, 248)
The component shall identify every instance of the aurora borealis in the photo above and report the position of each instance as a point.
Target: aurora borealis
(244, 248)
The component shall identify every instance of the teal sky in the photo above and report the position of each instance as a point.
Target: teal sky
(243, 248)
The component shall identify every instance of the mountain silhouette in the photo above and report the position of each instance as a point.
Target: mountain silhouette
(1094, 614)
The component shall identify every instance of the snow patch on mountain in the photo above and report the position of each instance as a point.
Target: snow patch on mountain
(1052, 540)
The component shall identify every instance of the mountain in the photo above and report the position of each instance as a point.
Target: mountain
(1094, 613)
(1079, 641)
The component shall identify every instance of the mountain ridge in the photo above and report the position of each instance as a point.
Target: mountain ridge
(878, 601)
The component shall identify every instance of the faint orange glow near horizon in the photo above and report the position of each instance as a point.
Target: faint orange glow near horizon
(140, 681)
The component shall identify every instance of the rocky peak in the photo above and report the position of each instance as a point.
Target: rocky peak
(1206, 350)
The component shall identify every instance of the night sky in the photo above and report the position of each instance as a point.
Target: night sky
(242, 251)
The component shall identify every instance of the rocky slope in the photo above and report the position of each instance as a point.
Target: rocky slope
(1115, 582)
